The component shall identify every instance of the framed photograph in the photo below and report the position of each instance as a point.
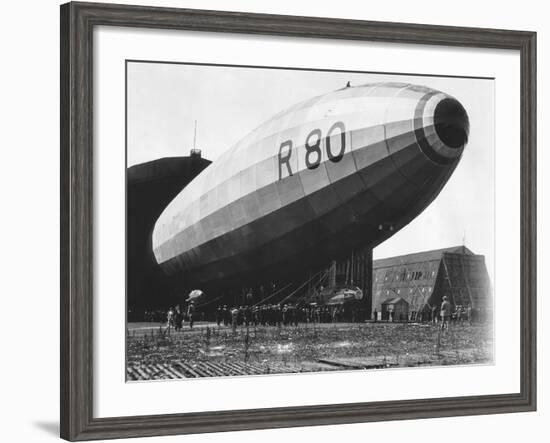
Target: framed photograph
(272, 221)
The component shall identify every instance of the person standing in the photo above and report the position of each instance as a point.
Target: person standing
(234, 318)
(169, 319)
(294, 315)
(178, 319)
(247, 315)
(256, 315)
(284, 314)
(278, 316)
(191, 313)
(226, 315)
(446, 310)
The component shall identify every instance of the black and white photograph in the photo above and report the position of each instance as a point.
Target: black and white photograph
(232, 221)
(289, 220)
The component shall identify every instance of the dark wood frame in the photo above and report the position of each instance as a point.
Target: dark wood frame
(77, 23)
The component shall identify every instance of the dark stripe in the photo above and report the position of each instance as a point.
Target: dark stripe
(420, 134)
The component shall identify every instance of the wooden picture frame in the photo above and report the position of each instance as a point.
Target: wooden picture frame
(77, 23)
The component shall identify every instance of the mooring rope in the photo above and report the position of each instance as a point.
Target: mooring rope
(306, 295)
(208, 302)
(272, 295)
(300, 287)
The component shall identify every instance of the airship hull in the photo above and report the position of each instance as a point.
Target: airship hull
(341, 171)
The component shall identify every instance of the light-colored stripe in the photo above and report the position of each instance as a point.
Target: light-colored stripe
(246, 167)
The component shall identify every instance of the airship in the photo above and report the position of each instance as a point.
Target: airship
(339, 171)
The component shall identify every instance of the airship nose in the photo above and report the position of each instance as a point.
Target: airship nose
(451, 123)
(441, 127)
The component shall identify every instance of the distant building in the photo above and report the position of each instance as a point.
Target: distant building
(395, 309)
(422, 279)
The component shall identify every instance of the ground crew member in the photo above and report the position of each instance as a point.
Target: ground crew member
(234, 318)
(170, 318)
(226, 315)
(178, 318)
(284, 314)
(191, 313)
(446, 310)
(219, 315)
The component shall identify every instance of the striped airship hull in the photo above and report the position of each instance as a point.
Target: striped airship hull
(331, 174)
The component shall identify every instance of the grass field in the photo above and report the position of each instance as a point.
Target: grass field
(153, 352)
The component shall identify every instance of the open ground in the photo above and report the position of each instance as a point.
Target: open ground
(208, 350)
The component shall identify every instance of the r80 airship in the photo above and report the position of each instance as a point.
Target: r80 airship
(334, 173)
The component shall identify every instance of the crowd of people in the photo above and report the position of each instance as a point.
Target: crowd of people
(285, 314)
(442, 314)
(288, 314)
(175, 317)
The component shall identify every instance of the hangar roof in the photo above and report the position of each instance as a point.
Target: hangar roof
(435, 254)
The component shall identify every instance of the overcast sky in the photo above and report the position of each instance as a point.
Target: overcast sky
(164, 100)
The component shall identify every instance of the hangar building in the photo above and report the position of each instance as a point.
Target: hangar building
(150, 187)
(417, 282)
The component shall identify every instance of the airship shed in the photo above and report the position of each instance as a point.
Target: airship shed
(150, 187)
(416, 283)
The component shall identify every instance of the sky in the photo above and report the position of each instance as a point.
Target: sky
(164, 100)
